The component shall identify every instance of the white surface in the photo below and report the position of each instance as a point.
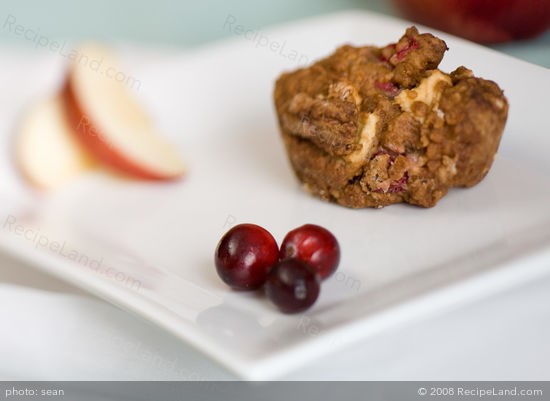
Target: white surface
(164, 236)
(63, 336)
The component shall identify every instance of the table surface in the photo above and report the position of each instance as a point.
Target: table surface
(500, 338)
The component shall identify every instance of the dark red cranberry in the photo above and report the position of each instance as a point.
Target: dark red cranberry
(293, 286)
(314, 245)
(245, 255)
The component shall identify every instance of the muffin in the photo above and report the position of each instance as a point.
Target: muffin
(370, 126)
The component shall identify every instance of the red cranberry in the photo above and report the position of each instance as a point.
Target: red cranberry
(314, 245)
(245, 255)
(399, 185)
(403, 50)
(293, 286)
(389, 88)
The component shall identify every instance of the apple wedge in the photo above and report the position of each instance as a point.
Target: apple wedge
(46, 151)
(110, 123)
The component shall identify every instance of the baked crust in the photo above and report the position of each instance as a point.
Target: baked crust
(369, 126)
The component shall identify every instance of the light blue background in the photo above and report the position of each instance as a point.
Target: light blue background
(188, 23)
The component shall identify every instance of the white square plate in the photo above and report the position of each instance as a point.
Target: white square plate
(149, 247)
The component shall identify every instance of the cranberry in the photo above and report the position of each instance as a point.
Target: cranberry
(245, 255)
(314, 245)
(403, 50)
(389, 88)
(399, 185)
(396, 186)
(293, 286)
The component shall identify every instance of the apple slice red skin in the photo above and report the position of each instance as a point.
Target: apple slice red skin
(100, 148)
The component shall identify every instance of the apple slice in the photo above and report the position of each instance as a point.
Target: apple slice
(110, 123)
(46, 151)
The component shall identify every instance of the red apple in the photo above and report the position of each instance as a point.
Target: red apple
(484, 21)
(46, 151)
(110, 123)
